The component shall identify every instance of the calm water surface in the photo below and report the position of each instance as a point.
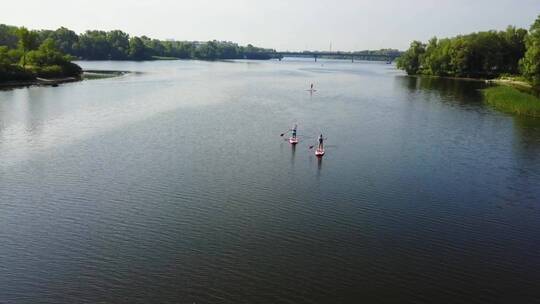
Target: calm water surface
(172, 185)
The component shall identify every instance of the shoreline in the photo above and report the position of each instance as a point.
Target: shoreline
(486, 80)
(501, 80)
(519, 84)
(54, 82)
(38, 82)
(510, 82)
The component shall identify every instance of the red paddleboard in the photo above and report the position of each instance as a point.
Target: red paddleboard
(293, 140)
(319, 152)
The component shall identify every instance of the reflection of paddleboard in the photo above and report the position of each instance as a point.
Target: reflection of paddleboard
(319, 152)
(293, 140)
(311, 90)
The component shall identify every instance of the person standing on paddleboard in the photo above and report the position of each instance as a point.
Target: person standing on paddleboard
(294, 131)
(321, 139)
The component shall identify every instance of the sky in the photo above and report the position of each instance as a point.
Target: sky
(345, 25)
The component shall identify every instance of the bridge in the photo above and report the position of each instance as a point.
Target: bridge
(340, 55)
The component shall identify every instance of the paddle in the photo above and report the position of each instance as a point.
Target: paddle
(311, 147)
(284, 133)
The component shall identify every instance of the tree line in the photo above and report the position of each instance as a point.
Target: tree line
(118, 45)
(489, 54)
(27, 54)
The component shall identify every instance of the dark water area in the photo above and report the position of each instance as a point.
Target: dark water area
(172, 185)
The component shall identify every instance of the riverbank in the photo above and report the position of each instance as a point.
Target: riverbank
(515, 81)
(38, 82)
(503, 80)
(510, 100)
(53, 82)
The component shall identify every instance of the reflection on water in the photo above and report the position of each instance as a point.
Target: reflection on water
(528, 138)
(319, 166)
(173, 186)
(467, 94)
(293, 153)
(463, 92)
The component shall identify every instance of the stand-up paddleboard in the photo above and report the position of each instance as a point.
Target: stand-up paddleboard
(293, 140)
(319, 152)
(311, 90)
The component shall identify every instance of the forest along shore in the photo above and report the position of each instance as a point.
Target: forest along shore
(508, 58)
(44, 57)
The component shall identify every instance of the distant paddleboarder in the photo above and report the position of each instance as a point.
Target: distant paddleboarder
(294, 139)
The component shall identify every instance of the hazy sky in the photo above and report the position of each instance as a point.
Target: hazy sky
(283, 25)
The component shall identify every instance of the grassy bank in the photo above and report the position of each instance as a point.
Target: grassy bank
(511, 100)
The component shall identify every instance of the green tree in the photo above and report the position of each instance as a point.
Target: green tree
(137, 49)
(514, 39)
(47, 54)
(460, 56)
(8, 36)
(208, 50)
(93, 45)
(530, 64)
(4, 57)
(66, 40)
(28, 41)
(10, 71)
(118, 45)
(435, 61)
(411, 60)
(49, 61)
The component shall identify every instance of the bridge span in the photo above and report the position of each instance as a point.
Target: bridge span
(341, 55)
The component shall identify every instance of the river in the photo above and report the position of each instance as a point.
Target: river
(173, 185)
